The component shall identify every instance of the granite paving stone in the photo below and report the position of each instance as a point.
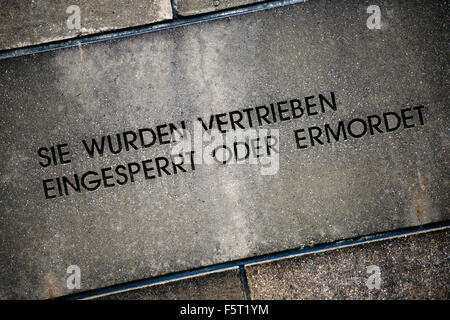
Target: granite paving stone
(217, 286)
(413, 267)
(194, 7)
(26, 23)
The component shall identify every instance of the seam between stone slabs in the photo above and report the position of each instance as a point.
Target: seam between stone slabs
(244, 283)
(236, 264)
(132, 31)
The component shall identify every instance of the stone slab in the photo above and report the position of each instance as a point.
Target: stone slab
(218, 213)
(193, 7)
(414, 267)
(25, 23)
(217, 286)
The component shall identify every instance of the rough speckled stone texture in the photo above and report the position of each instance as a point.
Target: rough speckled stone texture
(25, 23)
(220, 213)
(193, 7)
(217, 286)
(414, 267)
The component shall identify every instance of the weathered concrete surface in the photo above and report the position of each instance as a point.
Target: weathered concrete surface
(414, 267)
(217, 286)
(25, 23)
(193, 7)
(219, 213)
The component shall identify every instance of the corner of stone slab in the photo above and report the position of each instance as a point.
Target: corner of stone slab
(173, 4)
